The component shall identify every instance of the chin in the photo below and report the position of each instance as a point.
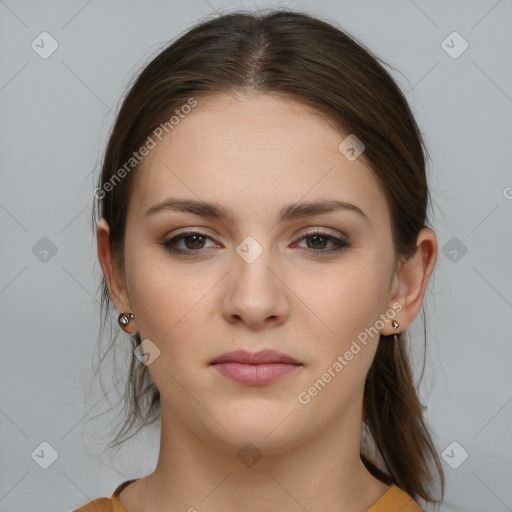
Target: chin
(272, 430)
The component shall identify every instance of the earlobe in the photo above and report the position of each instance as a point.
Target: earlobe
(413, 276)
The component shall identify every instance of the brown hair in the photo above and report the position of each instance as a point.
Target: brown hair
(304, 58)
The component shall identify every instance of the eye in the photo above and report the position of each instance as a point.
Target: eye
(319, 240)
(193, 240)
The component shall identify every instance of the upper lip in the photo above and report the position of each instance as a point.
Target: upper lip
(264, 356)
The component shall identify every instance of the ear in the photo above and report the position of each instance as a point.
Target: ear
(411, 280)
(113, 276)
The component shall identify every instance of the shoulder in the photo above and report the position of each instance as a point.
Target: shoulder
(97, 505)
(395, 499)
(112, 504)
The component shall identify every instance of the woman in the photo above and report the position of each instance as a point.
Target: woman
(263, 238)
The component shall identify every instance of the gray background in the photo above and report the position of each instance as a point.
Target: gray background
(56, 113)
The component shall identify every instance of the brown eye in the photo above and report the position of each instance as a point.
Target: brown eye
(318, 241)
(196, 240)
(193, 242)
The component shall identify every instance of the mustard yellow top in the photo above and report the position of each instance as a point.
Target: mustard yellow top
(393, 500)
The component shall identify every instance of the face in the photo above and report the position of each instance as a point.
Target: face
(307, 286)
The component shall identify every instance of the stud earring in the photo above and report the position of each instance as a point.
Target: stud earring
(395, 324)
(124, 319)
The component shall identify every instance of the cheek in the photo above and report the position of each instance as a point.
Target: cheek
(344, 300)
(166, 297)
(346, 303)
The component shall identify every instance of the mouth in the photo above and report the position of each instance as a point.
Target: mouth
(255, 368)
(262, 357)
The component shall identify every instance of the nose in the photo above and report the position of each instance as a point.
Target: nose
(257, 293)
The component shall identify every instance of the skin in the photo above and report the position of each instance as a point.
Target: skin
(255, 154)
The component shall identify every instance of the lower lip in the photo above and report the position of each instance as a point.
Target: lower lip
(255, 374)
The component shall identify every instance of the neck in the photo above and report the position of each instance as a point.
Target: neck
(322, 473)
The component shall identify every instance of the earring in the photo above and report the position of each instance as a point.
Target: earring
(124, 319)
(395, 324)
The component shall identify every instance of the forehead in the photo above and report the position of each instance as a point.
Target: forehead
(258, 150)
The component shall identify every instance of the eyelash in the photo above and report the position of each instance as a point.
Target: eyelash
(340, 244)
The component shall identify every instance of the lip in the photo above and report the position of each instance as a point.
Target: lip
(255, 368)
(261, 357)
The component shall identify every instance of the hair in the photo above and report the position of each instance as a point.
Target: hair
(293, 55)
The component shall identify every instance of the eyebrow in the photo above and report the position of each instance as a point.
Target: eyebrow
(287, 213)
